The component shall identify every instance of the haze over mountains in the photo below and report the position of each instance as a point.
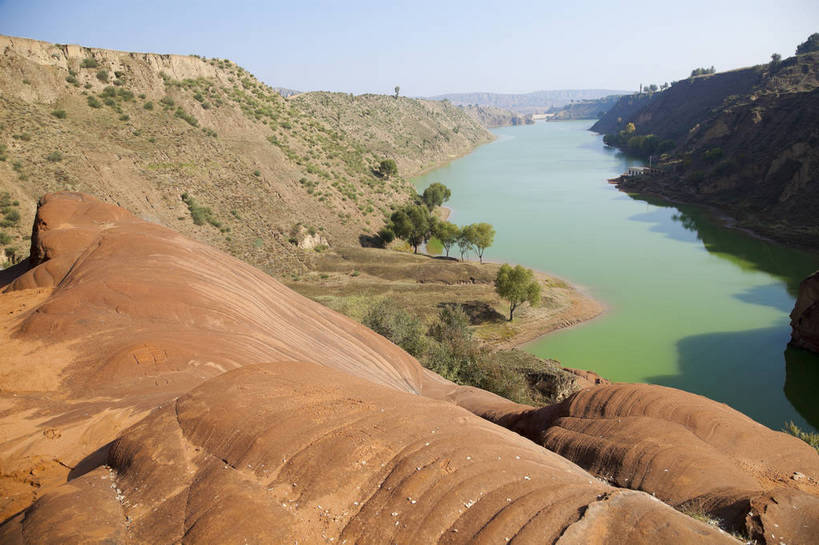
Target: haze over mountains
(528, 103)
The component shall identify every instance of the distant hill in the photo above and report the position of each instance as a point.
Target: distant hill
(285, 92)
(745, 141)
(527, 103)
(593, 108)
(491, 117)
(259, 172)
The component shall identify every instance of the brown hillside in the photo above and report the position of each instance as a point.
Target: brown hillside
(140, 405)
(744, 141)
(271, 170)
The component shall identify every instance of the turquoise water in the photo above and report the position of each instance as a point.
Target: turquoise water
(692, 304)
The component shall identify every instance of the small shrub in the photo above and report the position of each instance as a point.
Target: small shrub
(148, 105)
(54, 157)
(167, 102)
(200, 214)
(87, 85)
(124, 117)
(4, 238)
(59, 114)
(89, 62)
(810, 438)
(125, 94)
(94, 103)
(24, 136)
(11, 217)
(108, 92)
(152, 140)
(257, 173)
(396, 324)
(182, 114)
(102, 75)
(72, 80)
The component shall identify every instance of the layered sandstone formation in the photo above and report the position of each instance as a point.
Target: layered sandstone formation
(805, 315)
(155, 390)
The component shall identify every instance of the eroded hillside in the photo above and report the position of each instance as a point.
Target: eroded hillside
(155, 390)
(260, 173)
(745, 141)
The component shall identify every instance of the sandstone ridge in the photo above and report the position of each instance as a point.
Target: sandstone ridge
(156, 390)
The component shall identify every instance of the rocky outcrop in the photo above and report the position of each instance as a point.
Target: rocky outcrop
(805, 315)
(156, 390)
(743, 141)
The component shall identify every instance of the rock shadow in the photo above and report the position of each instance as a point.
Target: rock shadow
(716, 365)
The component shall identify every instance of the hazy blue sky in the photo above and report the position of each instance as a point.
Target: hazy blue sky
(431, 47)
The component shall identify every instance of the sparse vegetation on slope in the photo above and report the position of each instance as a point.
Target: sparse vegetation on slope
(159, 126)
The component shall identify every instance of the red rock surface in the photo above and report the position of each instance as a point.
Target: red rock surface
(154, 390)
(805, 315)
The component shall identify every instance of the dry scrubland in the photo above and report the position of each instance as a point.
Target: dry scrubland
(261, 172)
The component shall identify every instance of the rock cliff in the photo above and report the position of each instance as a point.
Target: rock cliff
(156, 390)
(744, 141)
(805, 315)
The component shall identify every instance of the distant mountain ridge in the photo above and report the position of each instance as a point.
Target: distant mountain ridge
(528, 103)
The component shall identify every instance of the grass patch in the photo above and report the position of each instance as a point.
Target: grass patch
(94, 102)
(182, 114)
(200, 214)
(54, 157)
(59, 114)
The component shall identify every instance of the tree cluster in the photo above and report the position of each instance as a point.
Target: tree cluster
(415, 224)
(811, 44)
(701, 71)
(636, 144)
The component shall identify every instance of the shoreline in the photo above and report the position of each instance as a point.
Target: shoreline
(582, 309)
(444, 162)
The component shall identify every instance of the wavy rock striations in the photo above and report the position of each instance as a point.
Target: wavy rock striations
(155, 390)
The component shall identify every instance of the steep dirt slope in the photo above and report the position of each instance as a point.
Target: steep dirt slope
(140, 130)
(746, 141)
(138, 405)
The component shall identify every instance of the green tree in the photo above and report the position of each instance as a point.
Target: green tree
(776, 61)
(412, 223)
(517, 285)
(447, 233)
(397, 89)
(630, 128)
(483, 235)
(435, 195)
(387, 168)
(465, 240)
(811, 44)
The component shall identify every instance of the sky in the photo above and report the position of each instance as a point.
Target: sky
(434, 47)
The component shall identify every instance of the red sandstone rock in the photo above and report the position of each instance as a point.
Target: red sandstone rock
(134, 410)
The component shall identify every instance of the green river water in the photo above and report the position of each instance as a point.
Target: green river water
(691, 304)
